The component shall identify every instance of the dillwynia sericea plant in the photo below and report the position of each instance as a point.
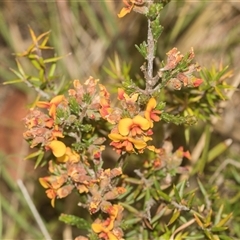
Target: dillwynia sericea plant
(71, 127)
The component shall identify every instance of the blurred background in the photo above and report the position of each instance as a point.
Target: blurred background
(93, 34)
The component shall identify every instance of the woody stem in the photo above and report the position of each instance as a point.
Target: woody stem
(150, 52)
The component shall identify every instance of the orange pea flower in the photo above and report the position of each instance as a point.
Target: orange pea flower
(70, 155)
(52, 105)
(105, 228)
(51, 193)
(130, 4)
(133, 126)
(114, 210)
(151, 114)
(58, 148)
(197, 82)
(124, 96)
(105, 109)
(52, 183)
(180, 153)
(57, 133)
(49, 123)
(126, 143)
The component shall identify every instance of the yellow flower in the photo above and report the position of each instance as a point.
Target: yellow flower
(50, 192)
(151, 114)
(130, 4)
(133, 126)
(126, 143)
(127, 9)
(70, 155)
(105, 108)
(122, 95)
(58, 148)
(54, 182)
(57, 133)
(52, 105)
(138, 144)
(82, 189)
(55, 187)
(105, 228)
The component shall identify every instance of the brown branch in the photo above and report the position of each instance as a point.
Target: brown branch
(151, 80)
(150, 53)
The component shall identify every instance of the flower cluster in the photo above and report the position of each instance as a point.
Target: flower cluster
(72, 174)
(165, 164)
(69, 117)
(56, 186)
(63, 130)
(103, 190)
(132, 133)
(90, 98)
(174, 57)
(41, 127)
(109, 229)
(168, 159)
(184, 78)
(66, 125)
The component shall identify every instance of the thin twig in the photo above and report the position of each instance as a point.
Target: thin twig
(180, 206)
(38, 90)
(151, 80)
(150, 54)
(147, 182)
(34, 210)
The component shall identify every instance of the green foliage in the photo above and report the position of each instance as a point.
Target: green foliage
(204, 102)
(177, 119)
(80, 223)
(154, 11)
(215, 86)
(156, 29)
(142, 48)
(43, 83)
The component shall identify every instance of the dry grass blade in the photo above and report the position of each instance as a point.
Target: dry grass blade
(33, 210)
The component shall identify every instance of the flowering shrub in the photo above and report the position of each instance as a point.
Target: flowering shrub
(76, 125)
